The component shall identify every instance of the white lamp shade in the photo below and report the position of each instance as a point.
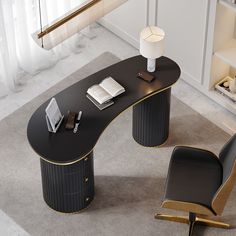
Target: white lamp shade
(152, 42)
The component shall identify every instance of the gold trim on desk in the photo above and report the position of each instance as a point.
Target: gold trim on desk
(73, 162)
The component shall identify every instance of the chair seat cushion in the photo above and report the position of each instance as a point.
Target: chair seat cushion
(194, 176)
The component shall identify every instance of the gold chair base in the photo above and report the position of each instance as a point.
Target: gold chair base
(199, 220)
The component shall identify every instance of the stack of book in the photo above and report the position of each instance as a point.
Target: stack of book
(102, 94)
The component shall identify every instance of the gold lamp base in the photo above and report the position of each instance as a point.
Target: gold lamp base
(198, 220)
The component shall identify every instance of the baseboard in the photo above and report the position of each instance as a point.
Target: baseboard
(217, 98)
(191, 80)
(119, 32)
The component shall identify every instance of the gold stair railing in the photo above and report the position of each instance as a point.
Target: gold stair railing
(72, 22)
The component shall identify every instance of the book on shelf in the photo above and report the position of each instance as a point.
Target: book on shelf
(101, 94)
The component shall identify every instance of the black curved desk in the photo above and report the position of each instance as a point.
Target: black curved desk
(67, 158)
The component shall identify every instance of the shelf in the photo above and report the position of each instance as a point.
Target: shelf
(228, 53)
(229, 5)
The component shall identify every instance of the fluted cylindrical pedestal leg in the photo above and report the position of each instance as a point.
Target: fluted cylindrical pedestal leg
(151, 119)
(68, 188)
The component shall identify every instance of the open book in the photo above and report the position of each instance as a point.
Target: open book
(105, 91)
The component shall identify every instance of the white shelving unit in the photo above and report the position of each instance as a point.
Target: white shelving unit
(228, 53)
(224, 51)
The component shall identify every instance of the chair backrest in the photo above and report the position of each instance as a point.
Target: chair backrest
(227, 158)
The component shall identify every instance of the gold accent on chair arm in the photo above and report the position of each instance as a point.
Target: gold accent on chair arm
(187, 206)
(222, 195)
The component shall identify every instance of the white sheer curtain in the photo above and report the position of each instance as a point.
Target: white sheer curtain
(19, 54)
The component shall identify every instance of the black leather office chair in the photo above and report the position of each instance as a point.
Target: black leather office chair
(200, 183)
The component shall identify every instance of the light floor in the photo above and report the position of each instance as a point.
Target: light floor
(9, 227)
(103, 42)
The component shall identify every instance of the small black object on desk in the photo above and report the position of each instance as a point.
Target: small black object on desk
(70, 123)
(145, 76)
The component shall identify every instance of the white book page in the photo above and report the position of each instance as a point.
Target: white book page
(53, 113)
(112, 87)
(99, 94)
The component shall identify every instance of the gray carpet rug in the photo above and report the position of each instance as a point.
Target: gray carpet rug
(129, 178)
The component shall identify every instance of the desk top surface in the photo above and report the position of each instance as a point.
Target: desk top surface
(65, 147)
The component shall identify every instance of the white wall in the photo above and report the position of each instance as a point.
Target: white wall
(184, 21)
(191, 28)
(129, 19)
(185, 24)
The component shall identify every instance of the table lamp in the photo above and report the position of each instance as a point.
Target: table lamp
(152, 45)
